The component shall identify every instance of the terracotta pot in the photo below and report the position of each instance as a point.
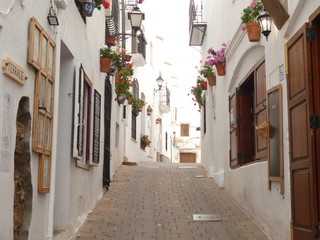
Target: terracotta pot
(111, 40)
(105, 64)
(118, 78)
(140, 1)
(130, 101)
(221, 69)
(253, 31)
(211, 80)
(149, 113)
(127, 58)
(140, 109)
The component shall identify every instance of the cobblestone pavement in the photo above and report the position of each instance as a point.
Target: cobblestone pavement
(156, 201)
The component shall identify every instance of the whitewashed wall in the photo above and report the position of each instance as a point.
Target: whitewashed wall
(248, 185)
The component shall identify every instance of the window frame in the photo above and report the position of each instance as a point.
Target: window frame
(182, 133)
(42, 59)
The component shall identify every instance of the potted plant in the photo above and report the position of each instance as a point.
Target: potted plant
(249, 18)
(144, 141)
(158, 120)
(197, 90)
(125, 72)
(207, 71)
(149, 110)
(219, 59)
(87, 6)
(104, 3)
(141, 104)
(106, 55)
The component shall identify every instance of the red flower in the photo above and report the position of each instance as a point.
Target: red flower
(106, 4)
(116, 99)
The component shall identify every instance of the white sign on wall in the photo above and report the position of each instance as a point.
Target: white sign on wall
(6, 136)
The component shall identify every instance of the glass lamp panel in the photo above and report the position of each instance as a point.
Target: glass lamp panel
(136, 20)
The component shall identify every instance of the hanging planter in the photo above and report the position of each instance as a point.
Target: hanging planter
(105, 64)
(263, 130)
(127, 58)
(121, 98)
(253, 31)
(211, 80)
(158, 120)
(130, 101)
(118, 78)
(86, 8)
(140, 1)
(135, 111)
(111, 40)
(221, 69)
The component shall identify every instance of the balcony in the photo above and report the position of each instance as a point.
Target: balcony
(164, 100)
(197, 28)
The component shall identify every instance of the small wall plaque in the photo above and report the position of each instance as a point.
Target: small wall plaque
(14, 70)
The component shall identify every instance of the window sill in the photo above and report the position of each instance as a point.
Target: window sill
(82, 165)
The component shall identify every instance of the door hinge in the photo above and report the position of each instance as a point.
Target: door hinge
(314, 122)
(239, 120)
(239, 156)
(311, 34)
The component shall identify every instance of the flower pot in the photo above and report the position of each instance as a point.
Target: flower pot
(118, 78)
(263, 130)
(253, 31)
(86, 8)
(127, 58)
(140, 109)
(130, 101)
(221, 69)
(140, 1)
(105, 64)
(111, 40)
(121, 98)
(149, 113)
(211, 80)
(135, 111)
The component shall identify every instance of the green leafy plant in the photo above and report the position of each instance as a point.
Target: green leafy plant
(207, 69)
(197, 90)
(251, 12)
(144, 141)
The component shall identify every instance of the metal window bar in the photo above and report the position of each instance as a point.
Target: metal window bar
(165, 96)
(112, 21)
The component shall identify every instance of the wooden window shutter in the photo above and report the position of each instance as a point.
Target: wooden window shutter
(260, 110)
(233, 130)
(81, 117)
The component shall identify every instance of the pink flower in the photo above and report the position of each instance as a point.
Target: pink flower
(253, 4)
(200, 61)
(224, 45)
(243, 28)
(116, 99)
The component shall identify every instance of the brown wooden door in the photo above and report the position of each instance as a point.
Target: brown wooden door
(302, 196)
(233, 130)
(187, 158)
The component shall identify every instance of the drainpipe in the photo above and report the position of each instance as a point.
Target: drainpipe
(49, 233)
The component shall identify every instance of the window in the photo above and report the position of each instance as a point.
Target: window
(82, 118)
(41, 55)
(247, 109)
(134, 127)
(184, 130)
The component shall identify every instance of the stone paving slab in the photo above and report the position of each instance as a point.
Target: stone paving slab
(156, 201)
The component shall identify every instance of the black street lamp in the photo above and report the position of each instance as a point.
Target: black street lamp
(265, 23)
(159, 81)
(135, 17)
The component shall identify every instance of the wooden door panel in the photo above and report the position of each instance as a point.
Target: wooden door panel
(233, 130)
(297, 67)
(299, 137)
(299, 129)
(301, 192)
(187, 158)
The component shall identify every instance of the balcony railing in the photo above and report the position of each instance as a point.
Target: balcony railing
(164, 100)
(112, 21)
(197, 27)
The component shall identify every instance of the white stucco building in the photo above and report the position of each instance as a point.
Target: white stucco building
(273, 178)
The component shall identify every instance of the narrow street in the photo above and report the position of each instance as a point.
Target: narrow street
(158, 200)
